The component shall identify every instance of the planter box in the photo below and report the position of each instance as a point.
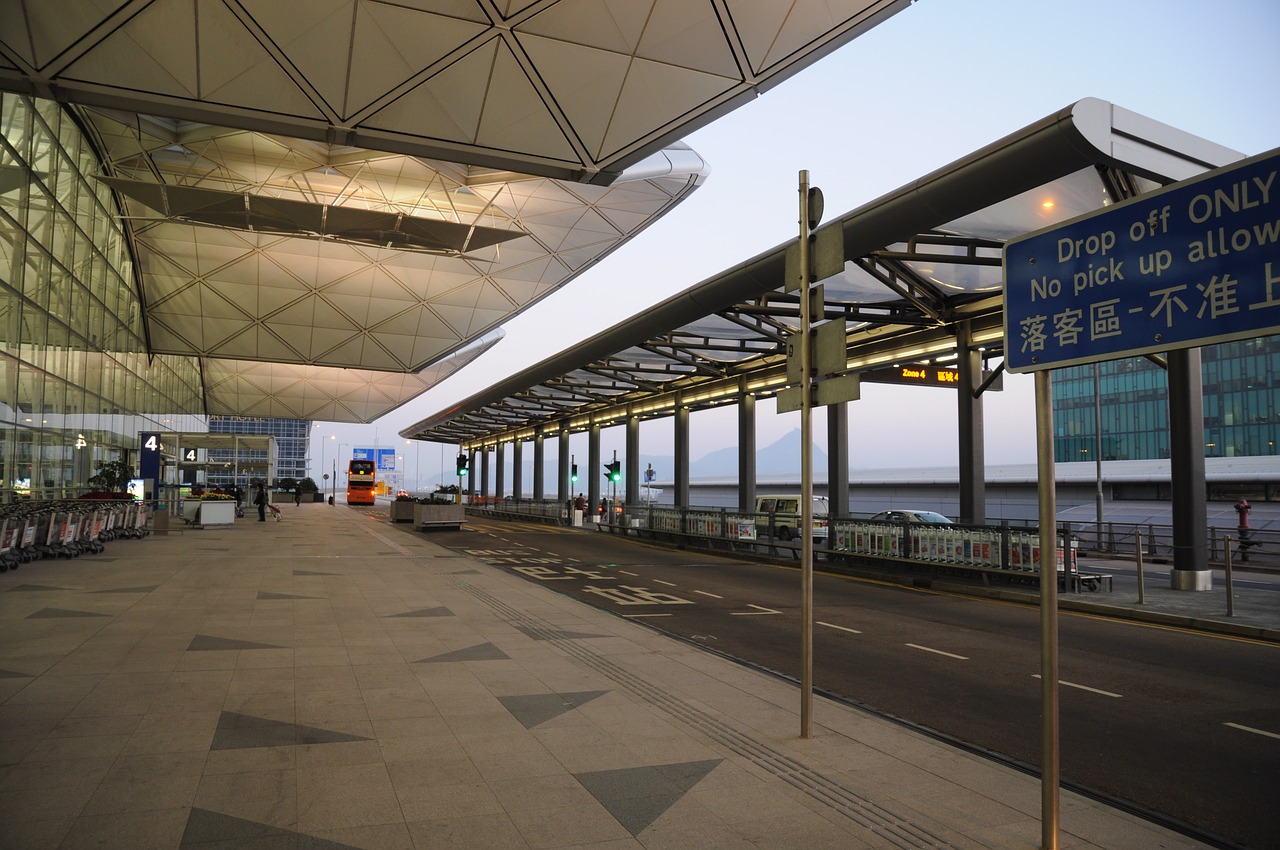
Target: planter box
(438, 516)
(216, 513)
(403, 511)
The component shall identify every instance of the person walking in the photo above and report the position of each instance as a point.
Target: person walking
(260, 499)
(297, 494)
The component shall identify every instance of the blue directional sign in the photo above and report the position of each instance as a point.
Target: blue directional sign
(1193, 264)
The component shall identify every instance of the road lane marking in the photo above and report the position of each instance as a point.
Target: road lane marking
(638, 616)
(938, 651)
(625, 573)
(667, 583)
(712, 595)
(760, 609)
(1251, 729)
(1065, 683)
(841, 628)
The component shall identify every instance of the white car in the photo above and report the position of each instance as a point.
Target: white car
(930, 517)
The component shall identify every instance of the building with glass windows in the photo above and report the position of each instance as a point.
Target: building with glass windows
(1241, 405)
(77, 379)
(291, 435)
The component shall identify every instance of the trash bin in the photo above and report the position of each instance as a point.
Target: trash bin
(331, 500)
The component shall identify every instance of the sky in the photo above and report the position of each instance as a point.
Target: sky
(930, 85)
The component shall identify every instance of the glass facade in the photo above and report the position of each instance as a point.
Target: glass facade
(1241, 405)
(292, 438)
(76, 381)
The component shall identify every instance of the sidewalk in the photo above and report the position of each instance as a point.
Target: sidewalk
(335, 681)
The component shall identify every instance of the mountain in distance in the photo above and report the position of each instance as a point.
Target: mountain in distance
(779, 457)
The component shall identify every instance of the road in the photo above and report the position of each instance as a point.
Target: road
(1180, 723)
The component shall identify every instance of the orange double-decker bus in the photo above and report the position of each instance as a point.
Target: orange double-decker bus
(360, 475)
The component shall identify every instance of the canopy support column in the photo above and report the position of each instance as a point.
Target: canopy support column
(973, 478)
(747, 453)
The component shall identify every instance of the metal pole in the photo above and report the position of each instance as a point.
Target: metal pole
(1137, 545)
(806, 474)
(1226, 560)
(1048, 613)
(1097, 444)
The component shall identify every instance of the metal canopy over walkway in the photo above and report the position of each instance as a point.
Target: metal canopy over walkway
(921, 282)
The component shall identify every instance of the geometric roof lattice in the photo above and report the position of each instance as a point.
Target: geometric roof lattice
(576, 90)
(324, 198)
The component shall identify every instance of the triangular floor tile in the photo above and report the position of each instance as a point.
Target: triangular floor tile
(266, 595)
(34, 587)
(129, 589)
(243, 731)
(211, 829)
(535, 709)
(637, 796)
(479, 652)
(9, 674)
(439, 611)
(48, 613)
(206, 643)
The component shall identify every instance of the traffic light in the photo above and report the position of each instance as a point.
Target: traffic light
(613, 470)
(462, 465)
(573, 473)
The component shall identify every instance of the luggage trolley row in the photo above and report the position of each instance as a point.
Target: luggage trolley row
(65, 529)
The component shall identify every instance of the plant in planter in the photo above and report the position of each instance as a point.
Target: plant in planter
(402, 508)
(435, 512)
(111, 482)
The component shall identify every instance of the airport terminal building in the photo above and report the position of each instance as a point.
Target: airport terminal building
(79, 380)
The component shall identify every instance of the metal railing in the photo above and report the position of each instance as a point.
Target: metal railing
(1005, 545)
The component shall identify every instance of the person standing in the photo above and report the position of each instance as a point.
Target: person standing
(260, 499)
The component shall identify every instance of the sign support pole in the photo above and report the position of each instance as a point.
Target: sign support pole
(806, 467)
(1048, 612)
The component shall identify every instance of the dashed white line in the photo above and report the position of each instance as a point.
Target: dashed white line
(660, 581)
(760, 609)
(638, 616)
(1251, 729)
(704, 593)
(841, 628)
(625, 573)
(1065, 683)
(938, 652)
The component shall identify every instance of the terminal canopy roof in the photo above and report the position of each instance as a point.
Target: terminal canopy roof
(334, 205)
(919, 263)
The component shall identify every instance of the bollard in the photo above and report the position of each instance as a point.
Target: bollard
(1137, 545)
(1226, 561)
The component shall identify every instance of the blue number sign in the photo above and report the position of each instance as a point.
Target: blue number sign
(1193, 264)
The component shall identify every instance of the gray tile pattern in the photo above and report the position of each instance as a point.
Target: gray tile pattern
(407, 697)
(535, 709)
